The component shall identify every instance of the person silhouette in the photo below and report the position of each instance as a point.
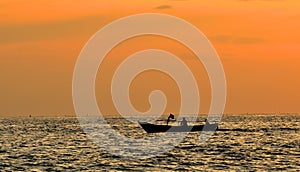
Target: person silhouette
(206, 122)
(184, 122)
(171, 116)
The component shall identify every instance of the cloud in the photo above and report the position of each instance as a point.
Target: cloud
(248, 40)
(52, 30)
(163, 7)
(221, 38)
(262, 0)
(235, 39)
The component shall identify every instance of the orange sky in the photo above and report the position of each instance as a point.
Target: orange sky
(258, 42)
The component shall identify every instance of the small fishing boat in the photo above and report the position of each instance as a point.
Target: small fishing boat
(153, 128)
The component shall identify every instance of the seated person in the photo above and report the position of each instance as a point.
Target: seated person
(184, 122)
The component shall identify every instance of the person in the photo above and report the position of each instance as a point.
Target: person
(206, 122)
(184, 122)
(171, 116)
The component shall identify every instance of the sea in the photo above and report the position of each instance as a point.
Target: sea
(249, 142)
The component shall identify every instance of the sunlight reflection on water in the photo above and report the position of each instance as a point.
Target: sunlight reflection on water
(60, 144)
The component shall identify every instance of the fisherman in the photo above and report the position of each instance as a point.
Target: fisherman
(184, 122)
(171, 116)
(206, 122)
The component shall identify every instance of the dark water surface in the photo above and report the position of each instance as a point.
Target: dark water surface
(263, 142)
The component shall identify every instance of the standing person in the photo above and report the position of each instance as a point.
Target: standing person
(171, 116)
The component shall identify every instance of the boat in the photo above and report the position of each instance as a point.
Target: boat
(154, 128)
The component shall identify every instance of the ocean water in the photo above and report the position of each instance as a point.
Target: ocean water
(263, 142)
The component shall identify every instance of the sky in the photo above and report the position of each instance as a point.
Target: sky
(258, 42)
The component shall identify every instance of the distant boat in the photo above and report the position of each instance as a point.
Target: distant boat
(153, 128)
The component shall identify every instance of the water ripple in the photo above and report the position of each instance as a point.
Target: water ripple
(252, 142)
